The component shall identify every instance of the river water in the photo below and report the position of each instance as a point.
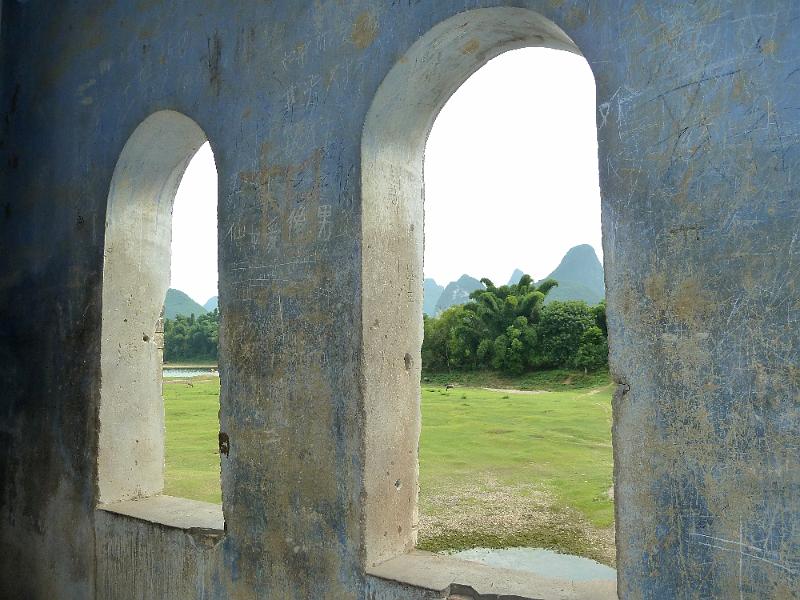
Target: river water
(171, 372)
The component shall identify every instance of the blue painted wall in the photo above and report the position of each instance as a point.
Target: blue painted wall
(698, 123)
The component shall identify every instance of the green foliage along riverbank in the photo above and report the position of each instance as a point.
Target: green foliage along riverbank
(511, 329)
(192, 339)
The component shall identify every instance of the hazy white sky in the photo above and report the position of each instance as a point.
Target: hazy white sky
(511, 169)
(194, 229)
(510, 178)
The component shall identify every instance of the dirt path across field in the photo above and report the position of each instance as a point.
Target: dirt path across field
(507, 391)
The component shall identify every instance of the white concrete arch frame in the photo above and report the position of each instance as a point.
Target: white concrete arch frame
(136, 275)
(392, 152)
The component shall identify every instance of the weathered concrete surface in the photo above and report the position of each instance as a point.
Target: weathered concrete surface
(701, 214)
(438, 574)
(383, 589)
(172, 512)
(698, 123)
(136, 274)
(141, 559)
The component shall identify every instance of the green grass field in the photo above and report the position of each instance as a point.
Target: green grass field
(496, 468)
(192, 422)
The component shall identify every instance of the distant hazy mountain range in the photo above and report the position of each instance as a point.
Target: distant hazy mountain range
(179, 303)
(515, 277)
(457, 292)
(431, 291)
(579, 276)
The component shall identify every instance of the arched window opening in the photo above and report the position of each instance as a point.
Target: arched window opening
(515, 447)
(191, 337)
(393, 150)
(136, 279)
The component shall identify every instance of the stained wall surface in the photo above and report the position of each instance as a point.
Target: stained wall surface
(698, 125)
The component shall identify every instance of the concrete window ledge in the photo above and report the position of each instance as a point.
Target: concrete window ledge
(194, 517)
(444, 575)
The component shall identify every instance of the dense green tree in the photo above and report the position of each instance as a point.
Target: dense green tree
(509, 328)
(497, 307)
(192, 338)
(560, 332)
(593, 351)
(442, 348)
(600, 317)
(499, 323)
(510, 348)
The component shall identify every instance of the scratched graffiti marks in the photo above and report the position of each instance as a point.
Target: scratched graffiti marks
(290, 222)
(699, 179)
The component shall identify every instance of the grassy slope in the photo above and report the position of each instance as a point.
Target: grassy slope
(481, 453)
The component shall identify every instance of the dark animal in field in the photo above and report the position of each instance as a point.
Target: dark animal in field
(449, 386)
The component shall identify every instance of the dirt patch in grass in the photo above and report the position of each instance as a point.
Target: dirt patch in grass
(493, 515)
